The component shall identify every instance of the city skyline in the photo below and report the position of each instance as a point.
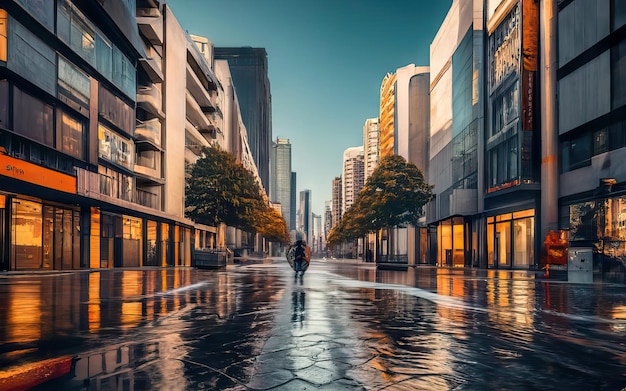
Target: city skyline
(346, 59)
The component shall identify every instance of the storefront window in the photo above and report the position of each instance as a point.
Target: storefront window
(132, 235)
(151, 258)
(165, 230)
(511, 239)
(445, 243)
(458, 241)
(27, 235)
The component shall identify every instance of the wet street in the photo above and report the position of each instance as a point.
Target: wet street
(341, 327)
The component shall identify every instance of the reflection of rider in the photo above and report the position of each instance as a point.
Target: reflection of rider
(297, 306)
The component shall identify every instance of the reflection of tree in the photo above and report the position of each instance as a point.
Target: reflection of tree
(583, 222)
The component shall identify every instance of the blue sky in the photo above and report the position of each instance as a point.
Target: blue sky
(326, 59)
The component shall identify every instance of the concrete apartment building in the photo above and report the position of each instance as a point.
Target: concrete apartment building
(371, 146)
(351, 177)
(98, 130)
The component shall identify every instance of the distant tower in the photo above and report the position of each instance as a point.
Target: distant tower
(352, 176)
(248, 67)
(337, 201)
(371, 146)
(306, 215)
(292, 212)
(280, 189)
(328, 218)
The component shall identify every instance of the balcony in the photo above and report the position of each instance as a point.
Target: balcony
(150, 24)
(148, 134)
(150, 99)
(199, 91)
(195, 114)
(147, 199)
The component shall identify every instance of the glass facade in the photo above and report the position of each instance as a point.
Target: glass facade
(43, 236)
(511, 239)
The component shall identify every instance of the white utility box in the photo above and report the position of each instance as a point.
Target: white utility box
(580, 265)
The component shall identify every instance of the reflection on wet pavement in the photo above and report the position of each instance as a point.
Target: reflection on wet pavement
(339, 327)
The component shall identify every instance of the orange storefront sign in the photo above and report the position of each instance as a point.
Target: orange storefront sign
(32, 173)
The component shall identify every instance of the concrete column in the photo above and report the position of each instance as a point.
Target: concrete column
(549, 130)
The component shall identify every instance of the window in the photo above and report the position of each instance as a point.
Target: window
(619, 14)
(42, 10)
(124, 73)
(4, 104)
(114, 110)
(577, 152)
(70, 136)
(617, 135)
(513, 172)
(600, 144)
(618, 74)
(74, 85)
(75, 30)
(115, 148)
(3, 35)
(33, 118)
(104, 57)
(505, 108)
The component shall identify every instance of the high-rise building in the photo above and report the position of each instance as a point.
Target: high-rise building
(280, 189)
(293, 202)
(249, 70)
(387, 115)
(371, 146)
(306, 215)
(456, 123)
(337, 201)
(352, 176)
(328, 218)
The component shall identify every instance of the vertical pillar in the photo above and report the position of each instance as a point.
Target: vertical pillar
(549, 132)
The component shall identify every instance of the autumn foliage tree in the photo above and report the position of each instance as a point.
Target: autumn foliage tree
(221, 190)
(394, 195)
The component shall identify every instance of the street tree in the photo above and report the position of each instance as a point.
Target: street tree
(221, 190)
(393, 196)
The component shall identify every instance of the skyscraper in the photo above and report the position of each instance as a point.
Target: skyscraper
(248, 67)
(337, 201)
(352, 176)
(292, 211)
(280, 188)
(306, 216)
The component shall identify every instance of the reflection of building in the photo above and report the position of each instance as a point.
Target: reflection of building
(590, 82)
(280, 189)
